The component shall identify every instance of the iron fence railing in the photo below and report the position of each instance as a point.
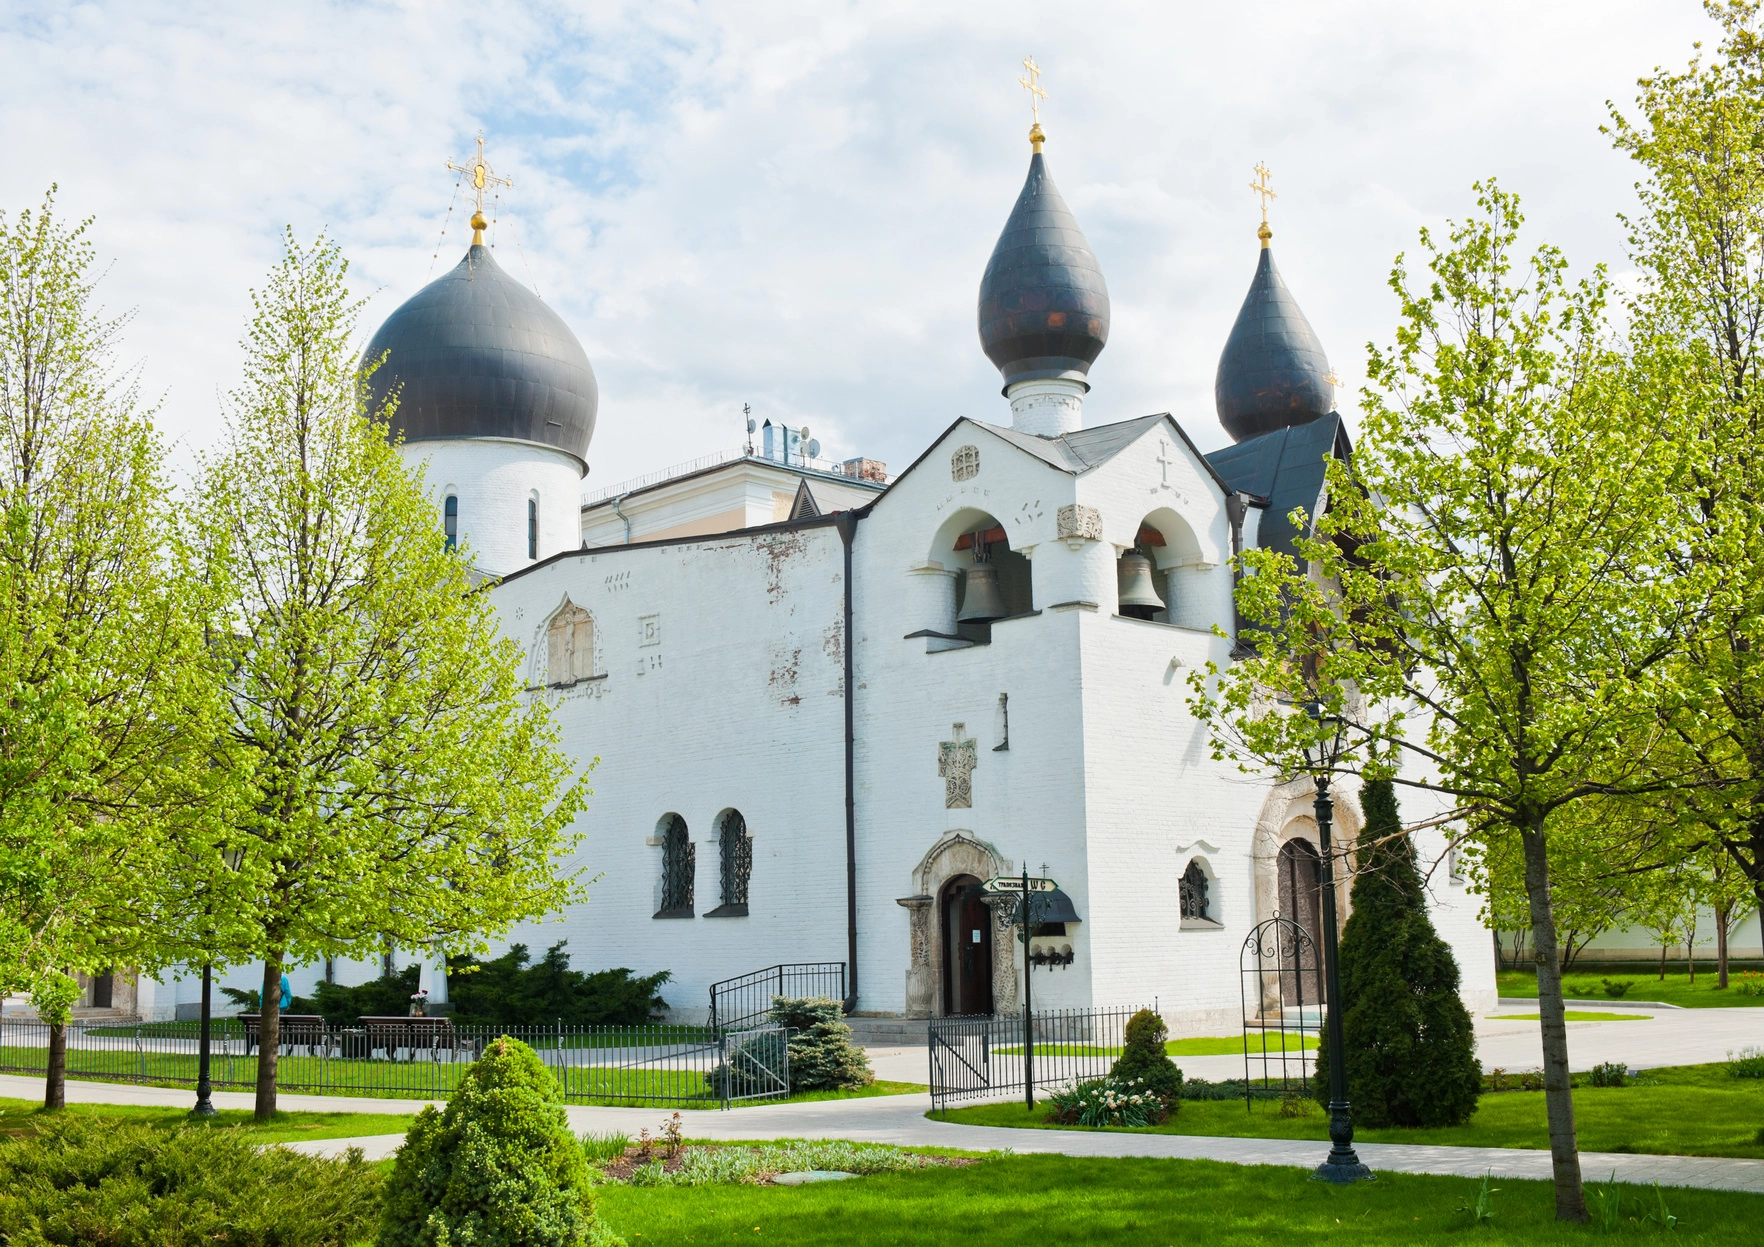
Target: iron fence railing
(975, 1057)
(677, 1066)
(746, 999)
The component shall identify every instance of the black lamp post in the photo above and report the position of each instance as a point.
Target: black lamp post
(1343, 1164)
(205, 1088)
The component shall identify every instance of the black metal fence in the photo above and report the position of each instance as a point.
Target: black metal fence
(746, 1000)
(676, 1066)
(1282, 1007)
(976, 1057)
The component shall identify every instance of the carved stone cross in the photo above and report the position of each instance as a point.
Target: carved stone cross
(955, 763)
(1164, 463)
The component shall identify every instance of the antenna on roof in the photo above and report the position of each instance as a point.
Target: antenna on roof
(747, 412)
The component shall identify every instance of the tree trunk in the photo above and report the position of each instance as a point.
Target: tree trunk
(1662, 963)
(1722, 913)
(1558, 1091)
(55, 1080)
(1690, 946)
(269, 1037)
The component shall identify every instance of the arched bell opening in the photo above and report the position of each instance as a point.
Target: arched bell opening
(992, 581)
(1149, 572)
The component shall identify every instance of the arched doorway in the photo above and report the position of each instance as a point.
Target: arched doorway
(967, 947)
(1300, 874)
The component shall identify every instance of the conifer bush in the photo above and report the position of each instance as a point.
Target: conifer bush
(1145, 1062)
(498, 1168)
(822, 1056)
(1408, 1042)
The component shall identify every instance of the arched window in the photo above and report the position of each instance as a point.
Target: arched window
(1194, 891)
(569, 643)
(450, 520)
(678, 868)
(735, 850)
(532, 528)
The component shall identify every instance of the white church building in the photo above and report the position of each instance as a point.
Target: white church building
(823, 704)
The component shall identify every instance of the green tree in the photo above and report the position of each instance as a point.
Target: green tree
(1698, 244)
(1144, 1058)
(105, 708)
(399, 786)
(1490, 609)
(1409, 1043)
(498, 1168)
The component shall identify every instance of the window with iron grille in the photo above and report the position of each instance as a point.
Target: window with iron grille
(1196, 907)
(735, 849)
(678, 869)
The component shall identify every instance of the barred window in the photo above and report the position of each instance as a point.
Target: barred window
(678, 869)
(1196, 906)
(735, 850)
(532, 528)
(450, 520)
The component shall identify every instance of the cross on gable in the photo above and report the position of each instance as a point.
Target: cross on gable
(956, 758)
(1164, 461)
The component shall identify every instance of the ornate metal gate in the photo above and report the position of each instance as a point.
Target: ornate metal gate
(1280, 1026)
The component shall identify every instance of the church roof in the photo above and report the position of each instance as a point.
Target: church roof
(1044, 308)
(1286, 467)
(477, 354)
(1272, 372)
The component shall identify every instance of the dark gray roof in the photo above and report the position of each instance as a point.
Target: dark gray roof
(1044, 310)
(477, 354)
(1285, 467)
(1272, 372)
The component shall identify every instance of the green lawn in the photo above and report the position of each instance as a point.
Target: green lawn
(17, 1116)
(1674, 989)
(1572, 1015)
(1694, 1110)
(1139, 1203)
(683, 1088)
(1221, 1045)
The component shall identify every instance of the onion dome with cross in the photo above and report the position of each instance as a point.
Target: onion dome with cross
(1044, 308)
(1273, 373)
(475, 354)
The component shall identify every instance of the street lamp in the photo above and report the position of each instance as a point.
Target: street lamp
(205, 1088)
(1343, 1164)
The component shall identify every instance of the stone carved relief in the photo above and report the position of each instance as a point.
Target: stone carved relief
(958, 853)
(964, 465)
(1079, 522)
(569, 645)
(956, 759)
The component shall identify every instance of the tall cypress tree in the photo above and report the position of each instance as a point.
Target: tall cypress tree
(1408, 1041)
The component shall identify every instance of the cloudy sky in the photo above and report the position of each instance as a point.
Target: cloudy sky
(789, 204)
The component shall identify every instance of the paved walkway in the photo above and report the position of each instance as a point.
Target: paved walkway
(901, 1120)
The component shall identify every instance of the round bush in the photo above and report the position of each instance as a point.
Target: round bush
(498, 1168)
(1144, 1061)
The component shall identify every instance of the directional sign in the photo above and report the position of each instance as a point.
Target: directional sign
(1014, 883)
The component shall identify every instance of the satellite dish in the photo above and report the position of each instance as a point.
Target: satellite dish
(751, 426)
(805, 432)
(814, 449)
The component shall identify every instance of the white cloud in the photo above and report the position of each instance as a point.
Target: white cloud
(790, 204)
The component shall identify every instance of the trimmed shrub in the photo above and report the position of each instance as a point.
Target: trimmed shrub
(498, 1168)
(99, 1180)
(1609, 1074)
(1145, 1062)
(1409, 1044)
(822, 1056)
(508, 991)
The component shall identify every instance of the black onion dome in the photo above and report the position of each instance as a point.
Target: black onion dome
(1272, 373)
(1044, 310)
(476, 354)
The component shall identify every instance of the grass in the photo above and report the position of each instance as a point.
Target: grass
(682, 1087)
(1572, 1015)
(17, 1117)
(1645, 985)
(1222, 1045)
(1136, 1202)
(1691, 1110)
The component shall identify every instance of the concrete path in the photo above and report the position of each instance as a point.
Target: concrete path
(901, 1120)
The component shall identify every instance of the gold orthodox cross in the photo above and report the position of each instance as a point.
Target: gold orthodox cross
(482, 176)
(1032, 84)
(1261, 187)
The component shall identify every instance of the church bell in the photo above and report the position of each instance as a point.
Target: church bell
(1139, 596)
(981, 600)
